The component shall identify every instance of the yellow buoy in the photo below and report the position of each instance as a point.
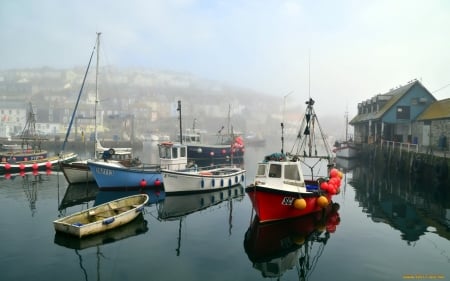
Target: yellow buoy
(300, 203)
(322, 201)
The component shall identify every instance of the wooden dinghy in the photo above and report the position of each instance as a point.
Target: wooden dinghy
(102, 217)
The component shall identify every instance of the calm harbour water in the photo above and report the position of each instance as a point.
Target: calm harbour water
(389, 229)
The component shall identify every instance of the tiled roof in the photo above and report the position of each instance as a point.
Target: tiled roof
(437, 110)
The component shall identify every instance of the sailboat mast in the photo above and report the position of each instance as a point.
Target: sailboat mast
(78, 101)
(96, 95)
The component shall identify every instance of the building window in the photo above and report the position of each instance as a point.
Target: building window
(403, 112)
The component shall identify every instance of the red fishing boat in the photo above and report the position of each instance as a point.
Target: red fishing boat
(289, 185)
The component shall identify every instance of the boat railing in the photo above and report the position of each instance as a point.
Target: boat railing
(401, 146)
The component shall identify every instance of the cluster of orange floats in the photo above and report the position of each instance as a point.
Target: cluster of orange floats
(332, 186)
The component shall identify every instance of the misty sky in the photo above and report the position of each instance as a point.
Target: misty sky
(341, 52)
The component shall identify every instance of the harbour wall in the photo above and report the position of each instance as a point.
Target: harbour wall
(408, 161)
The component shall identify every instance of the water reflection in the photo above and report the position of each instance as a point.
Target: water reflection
(413, 207)
(31, 182)
(277, 247)
(178, 207)
(77, 194)
(155, 195)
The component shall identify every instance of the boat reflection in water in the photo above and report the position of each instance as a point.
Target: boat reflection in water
(276, 247)
(155, 195)
(77, 194)
(175, 207)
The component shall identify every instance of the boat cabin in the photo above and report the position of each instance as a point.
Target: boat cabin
(287, 171)
(173, 156)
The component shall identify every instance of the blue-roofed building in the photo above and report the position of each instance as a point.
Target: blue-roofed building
(391, 116)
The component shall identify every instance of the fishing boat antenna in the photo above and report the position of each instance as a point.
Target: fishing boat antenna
(282, 122)
(181, 129)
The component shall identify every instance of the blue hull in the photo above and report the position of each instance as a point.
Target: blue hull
(111, 178)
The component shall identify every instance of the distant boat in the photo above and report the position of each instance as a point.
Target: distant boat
(346, 148)
(227, 148)
(29, 156)
(102, 217)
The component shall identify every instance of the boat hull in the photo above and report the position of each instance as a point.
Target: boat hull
(207, 155)
(346, 152)
(34, 165)
(110, 177)
(215, 179)
(77, 172)
(272, 205)
(102, 217)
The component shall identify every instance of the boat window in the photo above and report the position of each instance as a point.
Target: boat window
(175, 152)
(291, 172)
(164, 152)
(275, 171)
(261, 170)
(182, 151)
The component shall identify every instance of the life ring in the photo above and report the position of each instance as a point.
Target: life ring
(167, 143)
(112, 151)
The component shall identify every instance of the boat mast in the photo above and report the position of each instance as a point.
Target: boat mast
(96, 95)
(78, 101)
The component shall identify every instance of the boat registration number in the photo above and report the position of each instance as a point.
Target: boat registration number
(287, 201)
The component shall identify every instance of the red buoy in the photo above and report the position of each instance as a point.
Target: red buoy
(7, 166)
(35, 166)
(143, 183)
(22, 166)
(157, 182)
(48, 165)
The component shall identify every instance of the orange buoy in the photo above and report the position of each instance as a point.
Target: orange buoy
(300, 203)
(322, 201)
